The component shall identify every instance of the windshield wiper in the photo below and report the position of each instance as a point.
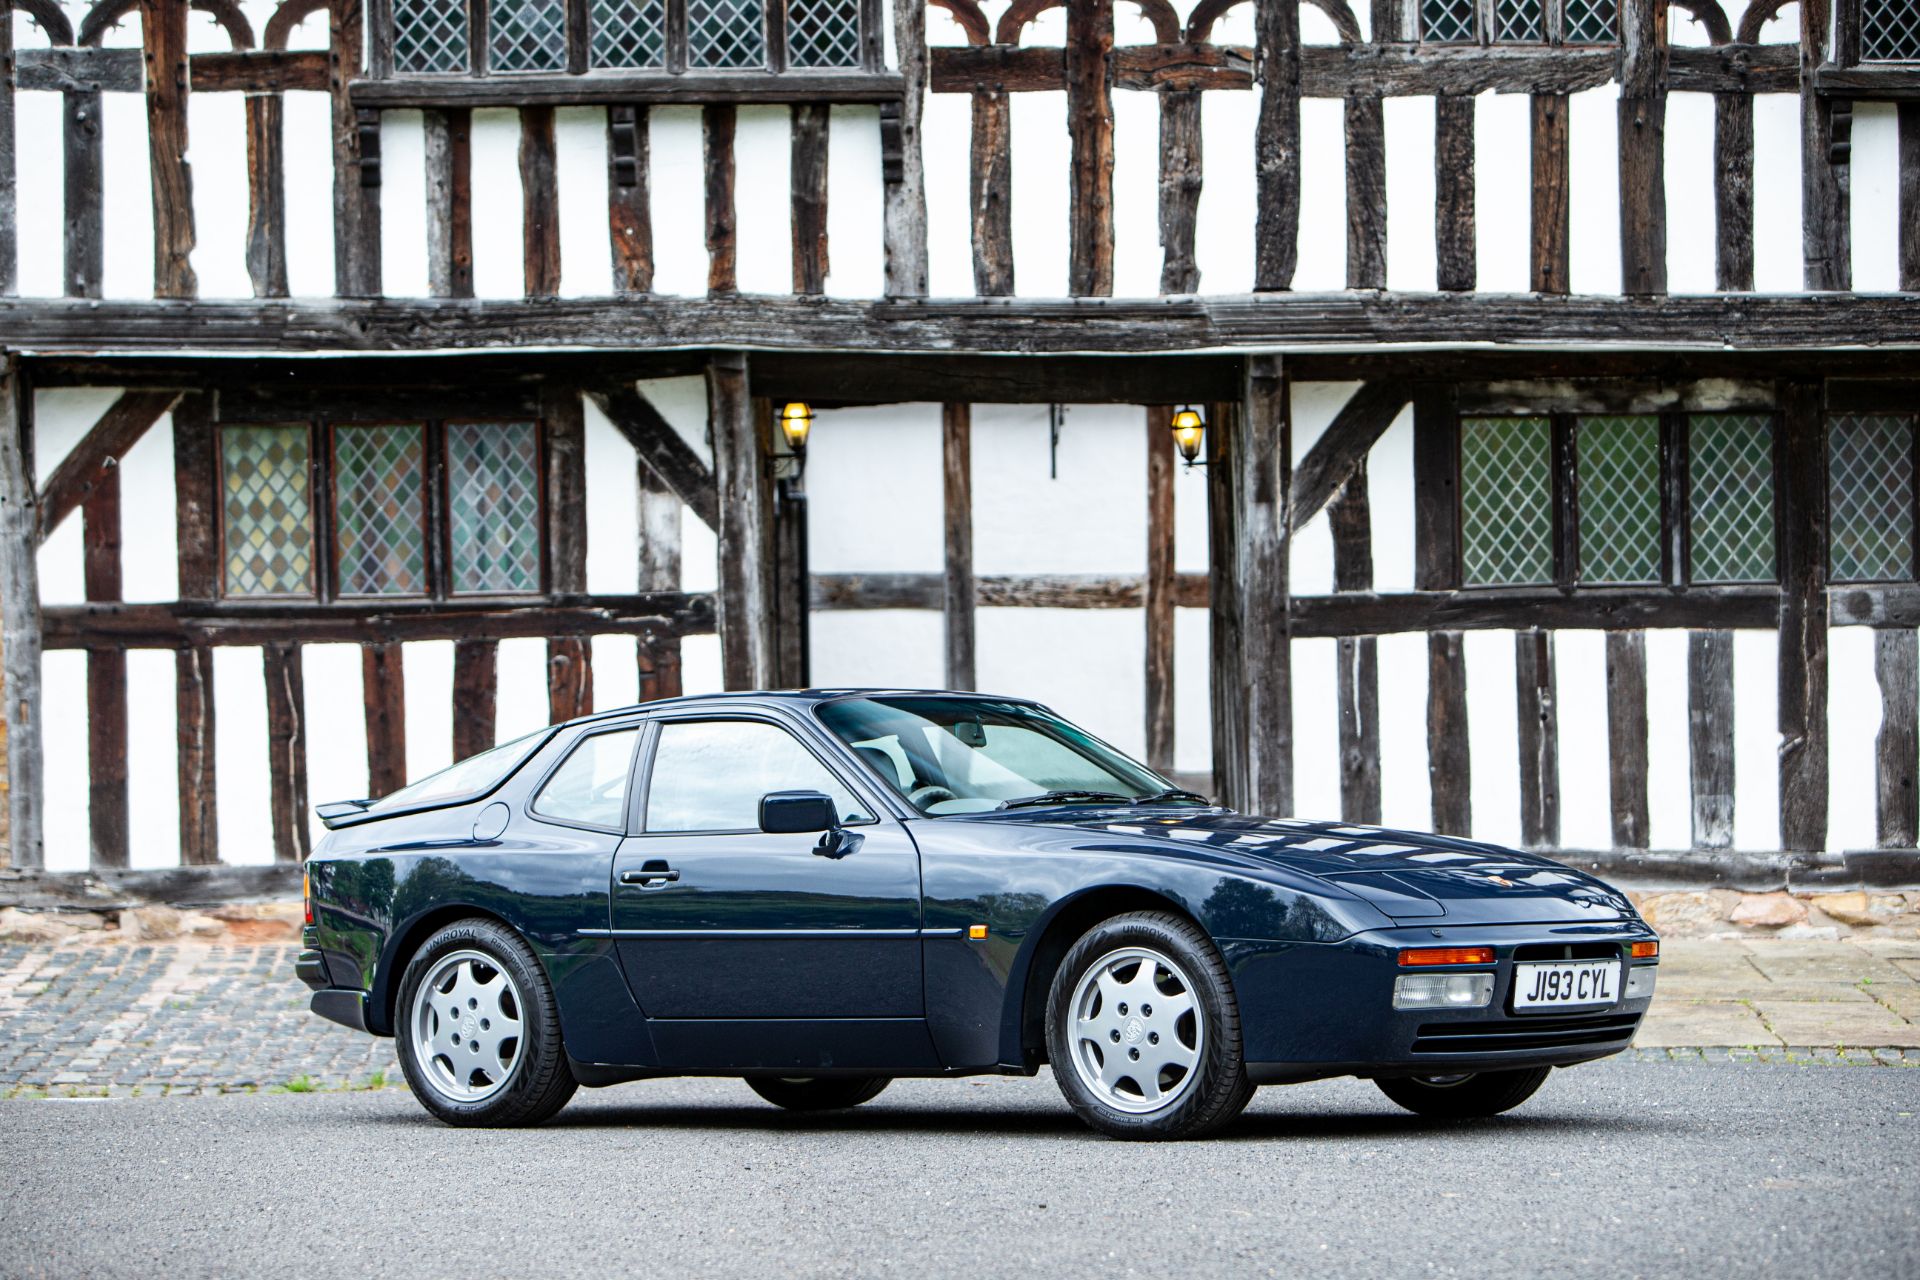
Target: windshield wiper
(1071, 796)
(1173, 793)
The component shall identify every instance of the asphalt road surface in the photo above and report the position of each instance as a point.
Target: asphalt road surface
(1617, 1169)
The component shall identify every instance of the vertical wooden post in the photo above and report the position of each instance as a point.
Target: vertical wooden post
(356, 174)
(9, 189)
(476, 666)
(1539, 738)
(904, 216)
(1803, 618)
(1643, 128)
(1366, 193)
(809, 184)
(384, 677)
(629, 216)
(1357, 658)
(1825, 136)
(1089, 48)
(20, 620)
(1910, 196)
(569, 658)
(1436, 513)
(740, 475)
(1276, 69)
(163, 27)
(1261, 459)
(792, 585)
(85, 215)
(1551, 193)
(659, 529)
(106, 677)
(449, 148)
(990, 187)
(956, 434)
(1896, 663)
(569, 678)
(1627, 737)
(193, 711)
(197, 513)
(1226, 692)
(287, 749)
(1733, 190)
(1180, 182)
(1160, 588)
(266, 196)
(1455, 238)
(1710, 716)
(540, 203)
(717, 127)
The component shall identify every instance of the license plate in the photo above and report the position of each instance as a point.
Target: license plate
(1566, 984)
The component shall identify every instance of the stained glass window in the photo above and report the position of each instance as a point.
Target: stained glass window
(527, 35)
(629, 33)
(1446, 21)
(1506, 501)
(1730, 472)
(380, 527)
(726, 33)
(267, 492)
(1890, 30)
(1870, 497)
(823, 33)
(493, 498)
(1617, 460)
(1587, 22)
(430, 36)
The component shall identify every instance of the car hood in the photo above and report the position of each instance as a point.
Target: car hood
(1410, 876)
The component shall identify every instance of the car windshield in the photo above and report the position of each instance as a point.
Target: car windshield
(470, 777)
(969, 755)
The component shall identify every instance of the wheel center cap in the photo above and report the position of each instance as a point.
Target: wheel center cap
(469, 1025)
(1134, 1031)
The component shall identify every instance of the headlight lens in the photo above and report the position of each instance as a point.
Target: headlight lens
(1640, 981)
(1442, 990)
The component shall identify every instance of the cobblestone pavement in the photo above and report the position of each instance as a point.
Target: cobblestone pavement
(186, 1017)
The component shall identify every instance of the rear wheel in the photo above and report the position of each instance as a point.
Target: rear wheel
(1143, 1030)
(479, 1031)
(818, 1093)
(1465, 1097)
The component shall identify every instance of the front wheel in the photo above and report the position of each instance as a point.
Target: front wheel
(818, 1093)
(1143, 1030)
(479, 1031)
(1471, 1096)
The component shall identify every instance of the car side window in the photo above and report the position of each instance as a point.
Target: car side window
(709, 775)
(590, 786)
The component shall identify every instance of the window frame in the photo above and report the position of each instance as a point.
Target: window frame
(639, 728)
(1486, 20)
(443, 458)
(317, 575)
(330, 551)
(1912, 417)
(1851, 35)
(650, 748)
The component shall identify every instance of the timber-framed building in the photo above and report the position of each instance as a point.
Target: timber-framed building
(404, 461)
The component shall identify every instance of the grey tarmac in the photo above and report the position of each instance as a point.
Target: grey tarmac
(1623, 1168)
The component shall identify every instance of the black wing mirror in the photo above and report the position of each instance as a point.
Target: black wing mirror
(791, 812)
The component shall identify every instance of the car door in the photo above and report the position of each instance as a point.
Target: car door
(747, 948)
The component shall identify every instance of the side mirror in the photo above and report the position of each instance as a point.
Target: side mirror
(790, 812)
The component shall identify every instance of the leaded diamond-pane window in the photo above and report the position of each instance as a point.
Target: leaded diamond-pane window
(266, 485)
(1446, 21)
(493, 499)
(823, 33)
(430, 36)
(1506, 501)
(527, 35)
(379, 519)
(726, 33)
(1890, 30)
(1519, 21)
(1870, 497)
(1730, 471)
(1617, 460)
(629, 33)
(1588, 22)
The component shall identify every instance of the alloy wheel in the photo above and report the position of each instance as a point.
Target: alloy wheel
(1138, 1032)
(467, 1032)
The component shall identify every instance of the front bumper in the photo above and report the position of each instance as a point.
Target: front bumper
(1315, 1010)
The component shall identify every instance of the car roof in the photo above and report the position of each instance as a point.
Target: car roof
(788, 697)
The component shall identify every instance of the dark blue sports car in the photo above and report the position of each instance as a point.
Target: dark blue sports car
(821, 891)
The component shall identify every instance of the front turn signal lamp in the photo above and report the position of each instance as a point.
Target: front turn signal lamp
(1418, 956)
(1443, 991)
(1645, 950)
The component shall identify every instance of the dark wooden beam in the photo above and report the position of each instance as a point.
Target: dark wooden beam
(990, 184)
(1277, 144)
(1456, 244)
(106, 680)
(1801, 478)
(716, 130)
(1733, 190)
(193, 719)
(607, 88)
(790, 587)
(20, 621)
(1357, 659)
(957, 594)
(1260, 455)
(1910, 195)
(1090, 129)
(809, 186)
(1436, 510)
(384, 677)
(1226, 691)
(569, 678)
(629, 214)
(661, 449)
(1342, 448)
(1825, 133)
(449, 160)
(356, 174)
(540, 203)
(1449, 758)
(1180, 182)
(287, 749)
(1160, 589)
(266, 195)
(84, 255)
(1539, 722)
(476, 666)
(259, 71)
(1643, 148)
(1627, 737)
(163, 28)
(744, 526)
(904, 212)
(9, 186)
(1710, 717)
(1896, 664)
(569, 657)
(658, 525)
(198, 517)
(1366, 193)
(97, 455)
(1552, 201)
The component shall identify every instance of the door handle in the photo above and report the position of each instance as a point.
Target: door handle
(648, 874)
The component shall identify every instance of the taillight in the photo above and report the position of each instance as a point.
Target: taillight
(306, 893)
(1446, 955)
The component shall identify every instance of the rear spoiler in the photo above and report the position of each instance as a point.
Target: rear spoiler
(337, 812)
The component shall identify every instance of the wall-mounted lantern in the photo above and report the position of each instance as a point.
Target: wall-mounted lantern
(1188, 432)
(796, 420)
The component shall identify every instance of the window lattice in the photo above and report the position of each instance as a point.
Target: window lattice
(823, 33)
(1617, 460)
(629, 34)
(1731, 474)
(379, 519)
(1870, 497)
(430, 35)
(1588, 21)
(493, 498)
(267, 491)
(1519, 21)
(1506, 501)
(1890, 30)
(1446, 21)
(726, 33)
(527, 35)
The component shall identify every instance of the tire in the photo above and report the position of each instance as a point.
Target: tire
(463, 996)
(818, 1093)
(1469, 1097)
(1190, 1046)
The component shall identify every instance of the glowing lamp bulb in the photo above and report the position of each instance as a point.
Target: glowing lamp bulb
(796, 419)
(1187, 433)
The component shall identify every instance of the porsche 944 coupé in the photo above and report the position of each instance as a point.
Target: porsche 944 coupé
(821, 891)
